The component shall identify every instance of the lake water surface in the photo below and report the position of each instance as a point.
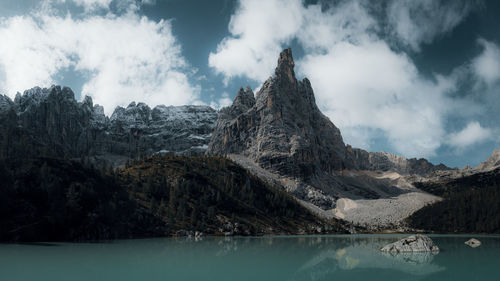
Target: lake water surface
(335, 257)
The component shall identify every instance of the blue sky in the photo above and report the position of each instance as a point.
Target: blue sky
(415, 78)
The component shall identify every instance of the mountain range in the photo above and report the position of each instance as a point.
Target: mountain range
(277, 134)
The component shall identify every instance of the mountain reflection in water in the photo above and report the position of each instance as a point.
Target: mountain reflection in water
(334, 257)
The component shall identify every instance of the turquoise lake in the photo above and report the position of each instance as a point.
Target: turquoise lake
(333, 257)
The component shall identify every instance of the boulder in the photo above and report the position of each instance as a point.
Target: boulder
(473, 242)
(412, 244)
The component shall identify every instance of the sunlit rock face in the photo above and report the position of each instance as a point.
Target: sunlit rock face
(50, 122)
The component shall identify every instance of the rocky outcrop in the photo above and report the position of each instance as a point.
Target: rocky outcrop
(50, 122)
(489, 168)
(412, 244)
(491, 163)
(473, 242)
(383, 161)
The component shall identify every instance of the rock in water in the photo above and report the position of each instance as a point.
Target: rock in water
(473, 242)
(412, 244)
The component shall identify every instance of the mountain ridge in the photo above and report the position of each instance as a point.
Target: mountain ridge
(278, 134)
(33, 98)
(50, 122)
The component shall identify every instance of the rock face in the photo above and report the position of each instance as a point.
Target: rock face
(50, 122)
(412, 244)
(282, 129)
(184, 129)
(473, 242)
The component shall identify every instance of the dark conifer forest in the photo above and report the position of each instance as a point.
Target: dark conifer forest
(46, 199)
(470, 204)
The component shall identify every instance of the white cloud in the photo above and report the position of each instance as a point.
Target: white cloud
(487, 65)
(417, 22)
(223, 101)
(353, 91)
(258, 29)
(126, 57)
(93, 4)
(346, 22)
(472, 134)
(366, 88)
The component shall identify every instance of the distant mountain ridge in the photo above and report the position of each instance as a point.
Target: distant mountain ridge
(385, 161)
(50, 122)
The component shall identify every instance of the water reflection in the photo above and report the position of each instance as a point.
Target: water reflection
(340, 257)
(362, 255)
(313, 257)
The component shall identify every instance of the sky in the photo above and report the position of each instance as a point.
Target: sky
(415, 78)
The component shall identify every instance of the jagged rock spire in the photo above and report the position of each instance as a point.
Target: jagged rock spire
(283, 131)
(245, 97)
(285, 66)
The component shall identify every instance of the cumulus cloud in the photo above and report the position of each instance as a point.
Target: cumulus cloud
(417, 22)
(223, 101)
(365, 86)
(125, 57)
(92, 4)
(258, 29)
(472, 134)
(487, 65)
(353, 91)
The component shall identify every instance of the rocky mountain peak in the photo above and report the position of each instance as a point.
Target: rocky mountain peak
(284, 70)
(283, 131)
(244, 97)
(243, 101)
(135, 115)
(30, 98)
(5, 103)
(88, 101)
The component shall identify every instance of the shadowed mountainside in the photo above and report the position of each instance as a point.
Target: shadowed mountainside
(47, 199)
(471, 204)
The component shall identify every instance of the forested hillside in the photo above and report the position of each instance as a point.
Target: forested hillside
(471, 204)
(52, 200)
(47, 199)
(215, 195)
